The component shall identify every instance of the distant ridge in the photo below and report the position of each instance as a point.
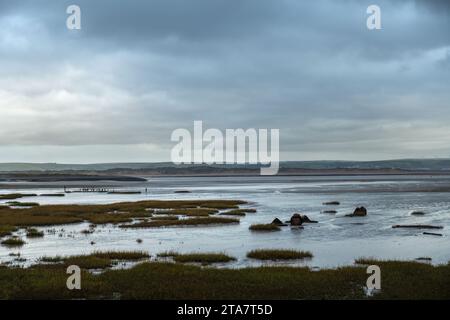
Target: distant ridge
(400, 164)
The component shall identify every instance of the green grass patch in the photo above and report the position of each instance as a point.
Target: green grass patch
(264, 227)
(22, 204)
(248, 210)
(34, 233)
(165, 218)
(193, 212)
(55, 259)
(204, 258)
(276, 254)
(13, 242)
(97, 260)
(13, 196)
(167, 254)
(149, 280)
(236, 212)
(7, 230)
(123, 212)
(184, 222)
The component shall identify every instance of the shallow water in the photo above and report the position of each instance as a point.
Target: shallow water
(336, 240)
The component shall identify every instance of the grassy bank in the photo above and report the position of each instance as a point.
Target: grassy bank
(204, 258)
(124, 212)
(264, 227)
(184, 222)
(277, 254)
(400, 280)
(96, 260)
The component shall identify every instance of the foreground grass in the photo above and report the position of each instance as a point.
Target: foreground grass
(204, 258)
(401, 280)
(276, 254)
(124, 212)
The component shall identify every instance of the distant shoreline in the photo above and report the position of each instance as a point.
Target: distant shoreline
(61, 177)
(137, 175)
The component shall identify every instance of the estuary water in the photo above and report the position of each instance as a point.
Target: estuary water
(335, 241)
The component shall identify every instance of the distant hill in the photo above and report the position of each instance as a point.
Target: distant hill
(401, 164)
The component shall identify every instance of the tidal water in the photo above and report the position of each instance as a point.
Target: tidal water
(335, 241)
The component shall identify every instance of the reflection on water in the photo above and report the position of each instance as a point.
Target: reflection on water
(335, 240)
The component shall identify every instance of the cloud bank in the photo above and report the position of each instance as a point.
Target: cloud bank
(116, 89)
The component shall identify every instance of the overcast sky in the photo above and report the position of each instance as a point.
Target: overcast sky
(116, 89)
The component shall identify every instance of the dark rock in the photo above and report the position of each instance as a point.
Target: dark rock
(278, 222)
(359, 212)
(329, 211)
(332, 203)
(417, 213)
(296, 220)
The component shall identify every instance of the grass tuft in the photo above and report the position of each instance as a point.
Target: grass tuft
(14, 196)
(123, 212)
(22, 204)
(203, 258)
(265, 227)
(184, 222)
(276, 254)
(13, 242)
(97, 260)
(34, 233)
(7, 230)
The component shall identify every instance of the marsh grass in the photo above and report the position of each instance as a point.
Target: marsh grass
(22, 204)
(204, 258)
(192, 212)
(245, 210)
(149, 280)
(7, 230)
(183, 222)
(124, 212)
(165, 218)
(34, 233)
(233, 213)
(13, 196)
(97, 260)
(167, 254)
(264, 227)
(277, 254)
(55, 259)
(13, 242)
(88, 262)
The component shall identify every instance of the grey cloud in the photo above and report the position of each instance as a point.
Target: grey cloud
(136, 71)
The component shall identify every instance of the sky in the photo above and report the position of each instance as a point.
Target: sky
(115, 90)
